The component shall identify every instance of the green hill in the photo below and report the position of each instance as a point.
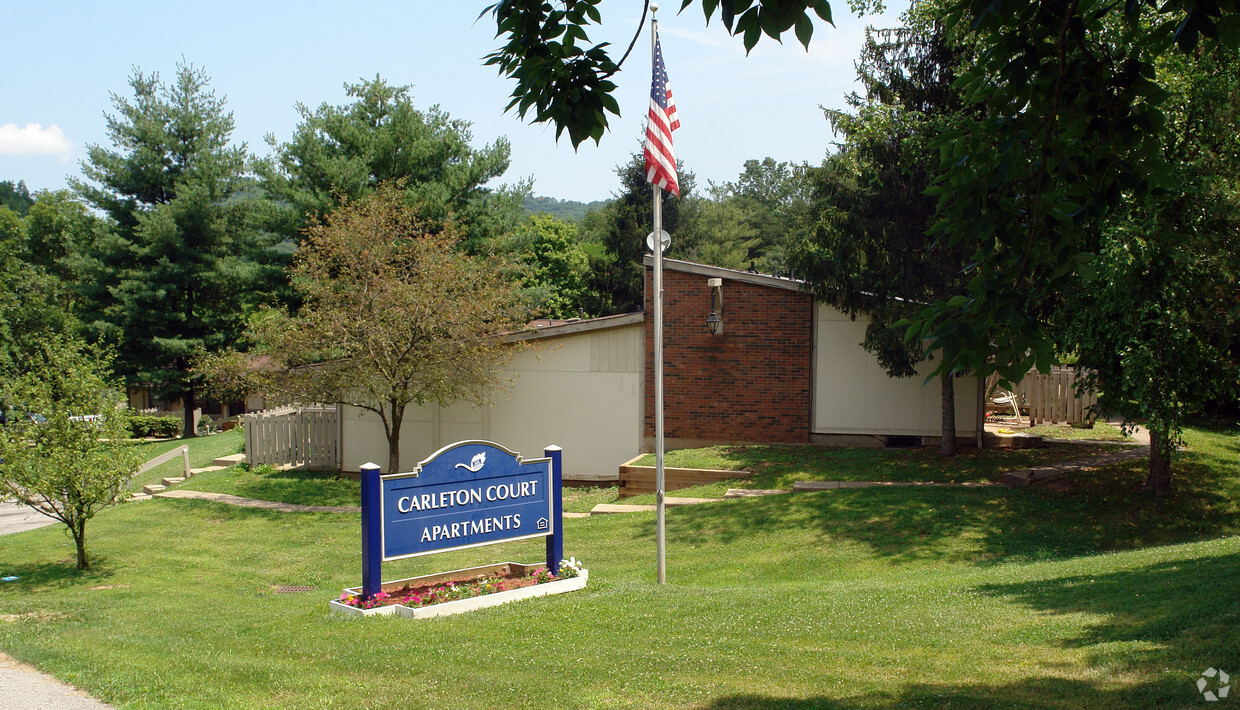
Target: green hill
(569, 210)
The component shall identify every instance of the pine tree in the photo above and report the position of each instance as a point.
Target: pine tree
(869, 252)
(175, 276)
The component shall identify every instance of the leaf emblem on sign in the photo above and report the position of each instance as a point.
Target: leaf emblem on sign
(475, 464)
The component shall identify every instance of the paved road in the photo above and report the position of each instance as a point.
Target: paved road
(15, 517)
(23, 687)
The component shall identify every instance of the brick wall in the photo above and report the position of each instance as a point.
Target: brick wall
(750, 383)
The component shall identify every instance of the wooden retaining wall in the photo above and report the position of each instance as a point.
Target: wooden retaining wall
(636, 480)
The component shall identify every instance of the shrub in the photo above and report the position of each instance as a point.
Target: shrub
(163, 426)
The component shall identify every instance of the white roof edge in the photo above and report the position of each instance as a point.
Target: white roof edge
(730, 274)
(581, 326)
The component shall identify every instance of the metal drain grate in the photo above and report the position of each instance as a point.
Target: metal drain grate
(293, 588)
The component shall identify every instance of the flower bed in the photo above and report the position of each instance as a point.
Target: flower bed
(462, 590)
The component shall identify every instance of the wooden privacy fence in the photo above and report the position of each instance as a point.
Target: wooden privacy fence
(1051, 398)
(293, 436)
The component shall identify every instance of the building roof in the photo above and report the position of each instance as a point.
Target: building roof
(749, 277)
(547, 328)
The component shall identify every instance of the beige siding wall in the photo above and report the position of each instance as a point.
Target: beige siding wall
(852, 394)
(579, 391)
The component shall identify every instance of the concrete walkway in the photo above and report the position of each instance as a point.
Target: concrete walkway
(264, 504)
(1032, 475)
(15, 517)
(23, 687)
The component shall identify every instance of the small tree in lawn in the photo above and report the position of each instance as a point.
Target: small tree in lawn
(64, 452)
(394, 314)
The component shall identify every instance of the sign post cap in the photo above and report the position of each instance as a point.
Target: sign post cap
(552, 447)
(369, 464)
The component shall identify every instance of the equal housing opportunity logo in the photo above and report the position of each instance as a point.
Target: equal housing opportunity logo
(1214, 685)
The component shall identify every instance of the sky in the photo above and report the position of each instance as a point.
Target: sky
(64, 61)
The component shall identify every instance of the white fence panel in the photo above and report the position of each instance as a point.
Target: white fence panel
(293, 436)
(1052, 398)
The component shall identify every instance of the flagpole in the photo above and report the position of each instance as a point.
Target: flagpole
(660, 519)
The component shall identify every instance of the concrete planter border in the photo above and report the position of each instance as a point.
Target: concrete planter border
(460, 606)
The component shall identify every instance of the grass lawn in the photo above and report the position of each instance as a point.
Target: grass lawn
(779, 466)
(285, 486)
(1079, 594)
(202, 450)
(1101, 431)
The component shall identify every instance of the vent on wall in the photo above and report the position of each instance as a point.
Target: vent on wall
(903, 442)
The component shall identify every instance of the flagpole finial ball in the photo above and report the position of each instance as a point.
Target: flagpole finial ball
(654, 7)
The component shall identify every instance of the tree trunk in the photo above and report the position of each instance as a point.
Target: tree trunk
(393, 437)
(1159, 480)
(189, 431)
(78, 528)
(947, 444)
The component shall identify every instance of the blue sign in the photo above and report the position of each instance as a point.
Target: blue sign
(467, 494)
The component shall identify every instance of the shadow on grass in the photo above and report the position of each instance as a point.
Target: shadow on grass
(1085, 513)
(1182, 615)
(41, 576)
(778, 466)
(1027, 693)
(224, 512)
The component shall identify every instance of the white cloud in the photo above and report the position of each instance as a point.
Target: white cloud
(34, 139)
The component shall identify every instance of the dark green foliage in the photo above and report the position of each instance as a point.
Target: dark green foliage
(1072, 129)
(346, 152)
(756, 219)
(15, 197)
(186, 258)
(157, 426)
(59, 229)
(1159, 326)
(32, 302)
(869, 253)
(562, 78)
(616, 280)
(552, 266)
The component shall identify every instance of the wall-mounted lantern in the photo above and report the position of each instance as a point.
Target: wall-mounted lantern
(714, 321)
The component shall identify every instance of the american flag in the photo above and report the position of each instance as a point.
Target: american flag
(660, 159)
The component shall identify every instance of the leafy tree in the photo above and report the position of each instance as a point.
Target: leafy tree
(381, 137)
(394, 315)
(552, 265)
(617, 278)
(183, 264)
(728, 237)
(869, 252)
(774, 199)
(567, 81)
(1069, 130)
(64, 452)
(32, 302)
(15, 197)
(59, 228)
(1158, 329)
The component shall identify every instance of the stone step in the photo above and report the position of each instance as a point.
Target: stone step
(752, 492)
(668, 502)
(227, 461)
(139, 496)
(173, 481)
(152, 489)
(206, 469)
